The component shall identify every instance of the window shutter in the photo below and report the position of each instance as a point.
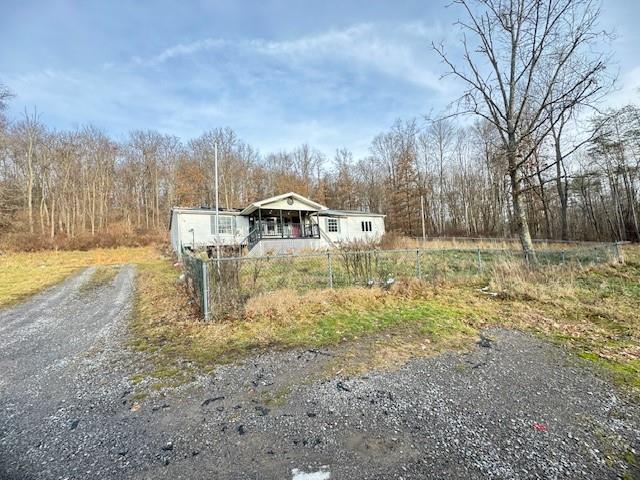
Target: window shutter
(338, 224)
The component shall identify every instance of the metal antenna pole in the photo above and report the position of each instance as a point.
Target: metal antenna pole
(215, 150)
(424, 232)
(218, 278)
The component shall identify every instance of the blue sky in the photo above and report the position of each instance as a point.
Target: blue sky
(280, 73)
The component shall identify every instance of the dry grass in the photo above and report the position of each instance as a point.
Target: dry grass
(24, 274)
(102, 275)
(164, 323)
(20, 240)
(392, 348)
(391, 241)
(512, 280)
(592, 310)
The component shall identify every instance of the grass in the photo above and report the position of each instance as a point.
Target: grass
(244, 278)
(24, 274)
(101, 276)
(163, 324)
(592, 310)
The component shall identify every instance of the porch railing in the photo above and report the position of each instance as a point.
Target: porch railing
(252, 238)
(287, 230)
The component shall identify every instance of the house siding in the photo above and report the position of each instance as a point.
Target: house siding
(202, 222)
(350, 228)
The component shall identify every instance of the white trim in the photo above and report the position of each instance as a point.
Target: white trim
(255, 205)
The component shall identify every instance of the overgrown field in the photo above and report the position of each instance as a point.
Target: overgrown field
(235, 280)
(24, 274)
(593, 310)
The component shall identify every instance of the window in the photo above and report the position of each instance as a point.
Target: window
(366, 226)
(332, 225)
(225, 225)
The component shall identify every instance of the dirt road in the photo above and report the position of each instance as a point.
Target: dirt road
(514, 407)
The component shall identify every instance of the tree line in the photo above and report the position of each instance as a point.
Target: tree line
(84, 183)
(537, 160)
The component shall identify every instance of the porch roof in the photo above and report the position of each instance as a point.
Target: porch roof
(275, 203)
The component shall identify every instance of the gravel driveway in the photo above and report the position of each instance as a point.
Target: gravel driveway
(513, 407)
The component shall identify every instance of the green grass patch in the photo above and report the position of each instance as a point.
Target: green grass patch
(627, 374)
(431, 319)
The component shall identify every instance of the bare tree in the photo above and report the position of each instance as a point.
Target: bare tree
(522, 50)
(441, 135)
(27, 137)
(5, 95)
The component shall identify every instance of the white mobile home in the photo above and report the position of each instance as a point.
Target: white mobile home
(280, 224)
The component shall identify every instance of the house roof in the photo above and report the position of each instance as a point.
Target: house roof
(321, 209)
(204, 210)
(348, 213)
(255, 205)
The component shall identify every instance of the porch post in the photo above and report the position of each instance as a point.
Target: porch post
(259, 223)
(281, 225)
(302, 232)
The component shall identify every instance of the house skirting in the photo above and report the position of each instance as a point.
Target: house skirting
(283, 246)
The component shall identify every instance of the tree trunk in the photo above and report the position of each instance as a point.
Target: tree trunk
(30, 182)
(543, 199)
(519, 215)
(562, 192)
(53, 222)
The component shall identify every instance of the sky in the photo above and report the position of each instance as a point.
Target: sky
(280, 73)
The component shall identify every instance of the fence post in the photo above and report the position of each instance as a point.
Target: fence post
(479, 261)
(330, 269)
(616, 246)
(418, 265)
(563, 258)
(205, 291)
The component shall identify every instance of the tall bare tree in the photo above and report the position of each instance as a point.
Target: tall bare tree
(521, 50)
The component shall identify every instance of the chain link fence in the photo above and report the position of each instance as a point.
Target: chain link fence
(222, 287)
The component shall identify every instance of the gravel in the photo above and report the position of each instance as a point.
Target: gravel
(513, 407)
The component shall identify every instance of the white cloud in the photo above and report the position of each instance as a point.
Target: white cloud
(400, 51)
(179, 50)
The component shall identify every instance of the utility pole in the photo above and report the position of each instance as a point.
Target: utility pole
(217, 218)
(424, 232)
(218, 278)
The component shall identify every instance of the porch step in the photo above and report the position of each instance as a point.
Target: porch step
(283, 246)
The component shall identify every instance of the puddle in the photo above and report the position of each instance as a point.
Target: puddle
(322, 474)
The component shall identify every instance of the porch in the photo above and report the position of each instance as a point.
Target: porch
(281, 224)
